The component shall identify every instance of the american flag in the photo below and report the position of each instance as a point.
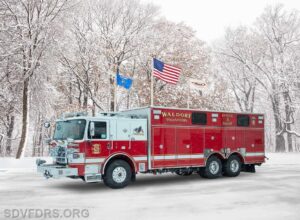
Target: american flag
(166, 72)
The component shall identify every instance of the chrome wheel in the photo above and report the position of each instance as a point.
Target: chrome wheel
(234, 166)
(119, 174)
(214, 167)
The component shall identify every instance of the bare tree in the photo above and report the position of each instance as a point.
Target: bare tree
(269, 53)
(29, 24)
(233, 52)
(81, 60)
(120, 24)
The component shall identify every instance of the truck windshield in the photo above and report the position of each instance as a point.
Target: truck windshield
(73, 129)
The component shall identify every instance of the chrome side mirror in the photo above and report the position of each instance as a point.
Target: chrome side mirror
(47, 140)
(92, 129)
(47, 124)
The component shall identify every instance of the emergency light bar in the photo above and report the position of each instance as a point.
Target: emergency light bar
(73, 114)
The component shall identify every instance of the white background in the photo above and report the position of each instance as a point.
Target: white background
(211, 17)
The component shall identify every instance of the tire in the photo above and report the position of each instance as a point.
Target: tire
(117, 175)
(232, 167)
(213, 168)
(184, 173)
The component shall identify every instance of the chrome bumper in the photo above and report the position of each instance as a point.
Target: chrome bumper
(55, 171)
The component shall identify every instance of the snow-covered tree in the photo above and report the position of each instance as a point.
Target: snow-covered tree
(28, 26)
(266, 57)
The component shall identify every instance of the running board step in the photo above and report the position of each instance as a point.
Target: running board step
(93, 178)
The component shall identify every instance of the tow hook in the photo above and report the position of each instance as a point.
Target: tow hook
(47, 174)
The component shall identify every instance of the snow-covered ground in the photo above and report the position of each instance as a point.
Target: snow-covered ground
(273, 192)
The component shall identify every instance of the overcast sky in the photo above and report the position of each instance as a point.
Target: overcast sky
(210, 17)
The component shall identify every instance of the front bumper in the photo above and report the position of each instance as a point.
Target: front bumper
(56, 171)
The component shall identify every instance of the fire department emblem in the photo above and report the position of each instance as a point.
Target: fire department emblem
(138, 131)
(96, 149)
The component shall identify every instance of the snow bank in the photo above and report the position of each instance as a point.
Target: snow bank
(26, 163)
(283, 158)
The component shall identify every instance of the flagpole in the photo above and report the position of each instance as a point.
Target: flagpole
(189, 97)
(115, 91)
(151, 89)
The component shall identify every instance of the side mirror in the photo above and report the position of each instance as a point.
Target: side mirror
(92, 129)
(47, 140)
(47, 124)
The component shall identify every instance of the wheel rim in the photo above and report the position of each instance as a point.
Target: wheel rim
(234, 166)
(214, 167)
(119, 174)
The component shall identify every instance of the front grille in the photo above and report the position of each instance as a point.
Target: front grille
(61, 156)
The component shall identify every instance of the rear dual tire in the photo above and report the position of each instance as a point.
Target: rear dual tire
(213, 168)
(232, 166)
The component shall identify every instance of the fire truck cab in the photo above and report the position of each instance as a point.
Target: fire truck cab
(114, 147)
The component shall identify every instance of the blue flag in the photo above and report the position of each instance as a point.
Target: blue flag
(124, 81)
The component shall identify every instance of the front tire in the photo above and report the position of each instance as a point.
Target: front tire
(232, 166)
(213, 168)
(117, 175)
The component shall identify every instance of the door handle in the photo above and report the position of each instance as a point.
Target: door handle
(108, 146)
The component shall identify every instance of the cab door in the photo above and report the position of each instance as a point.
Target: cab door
(98, 145)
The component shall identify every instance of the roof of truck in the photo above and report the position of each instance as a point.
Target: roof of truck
(190, 109)
(120, 117)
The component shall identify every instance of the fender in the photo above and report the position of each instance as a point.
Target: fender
(115, 155)
(213, 154)
(237, 153)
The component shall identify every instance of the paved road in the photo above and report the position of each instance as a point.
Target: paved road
(271, 193)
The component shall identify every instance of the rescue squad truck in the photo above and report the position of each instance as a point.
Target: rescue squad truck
(114, 147)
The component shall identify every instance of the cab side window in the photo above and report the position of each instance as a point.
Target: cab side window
(100, 130)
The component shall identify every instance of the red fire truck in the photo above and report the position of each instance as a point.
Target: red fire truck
(114, 147)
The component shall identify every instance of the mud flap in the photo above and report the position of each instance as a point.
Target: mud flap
(250, 168)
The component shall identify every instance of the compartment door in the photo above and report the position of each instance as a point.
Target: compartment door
(255, 145)
(163, 147)
(197, 146)
(183, 140)
(229, 138)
